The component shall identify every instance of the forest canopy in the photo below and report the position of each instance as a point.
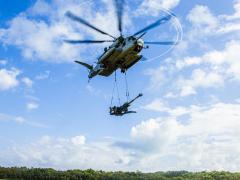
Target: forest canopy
(48, 173)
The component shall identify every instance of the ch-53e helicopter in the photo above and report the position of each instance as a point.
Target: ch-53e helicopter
(124, 51)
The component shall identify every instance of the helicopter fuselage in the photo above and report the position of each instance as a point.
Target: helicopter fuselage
(123, 54)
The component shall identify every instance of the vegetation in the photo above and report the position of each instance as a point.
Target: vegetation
(51, 174)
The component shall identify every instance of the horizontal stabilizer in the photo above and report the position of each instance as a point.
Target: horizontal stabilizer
(85, 64)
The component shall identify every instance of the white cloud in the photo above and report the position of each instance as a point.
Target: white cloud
(156, 105)
(3, 62)
(40, 31)
(20, 120)
(216, 67)
(41, 8)
(28, 82)
(198, 79)
(42, 76)
(203, 141)
(211, 70)
(155, 135)
(161, 106)
(17, 119)
(78, 140)
(8, 79)
(32, 105)
(206, 139)
(212, 25)
(90, 89)
(52, 152)
(93, 90)
(188, 61)
(154, 7)
(157, 76)
(207, 20)
(228, 28)
(37, 39)
(226, 60)
(236, 15)
(184, 74)
(222, 61)
(170, 95)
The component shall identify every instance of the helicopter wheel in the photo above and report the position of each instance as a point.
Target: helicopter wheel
(123, 70)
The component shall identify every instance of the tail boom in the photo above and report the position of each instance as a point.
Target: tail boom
(88, 66)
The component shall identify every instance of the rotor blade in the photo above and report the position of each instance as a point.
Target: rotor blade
(162, 43)
(119, 4)
(82, 21)
(155, 24)
(86, 41)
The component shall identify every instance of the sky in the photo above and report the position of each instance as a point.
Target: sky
(188, 118)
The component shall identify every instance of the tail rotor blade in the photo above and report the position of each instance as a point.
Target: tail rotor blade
(84, 22)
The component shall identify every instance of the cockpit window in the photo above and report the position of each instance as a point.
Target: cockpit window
(138, 48)
(131, 38)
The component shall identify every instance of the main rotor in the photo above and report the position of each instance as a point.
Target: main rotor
(119, 8)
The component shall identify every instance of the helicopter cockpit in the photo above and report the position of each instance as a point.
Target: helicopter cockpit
(139, 46)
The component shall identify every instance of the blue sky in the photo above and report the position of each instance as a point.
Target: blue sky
(188, 118)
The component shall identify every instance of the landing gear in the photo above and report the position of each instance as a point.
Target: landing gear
(123, 70)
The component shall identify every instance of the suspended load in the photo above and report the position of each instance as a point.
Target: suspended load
(122, 110)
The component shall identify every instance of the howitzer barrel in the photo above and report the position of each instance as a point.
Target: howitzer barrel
(135, 98)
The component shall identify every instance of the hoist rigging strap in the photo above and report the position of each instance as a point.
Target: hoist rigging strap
(112, 94)
(113, 91)
(119, 102)
(127, 90)
(116, 87)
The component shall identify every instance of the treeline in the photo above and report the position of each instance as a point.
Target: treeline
(51, 174)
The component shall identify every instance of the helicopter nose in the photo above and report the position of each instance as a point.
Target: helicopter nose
(140, 42)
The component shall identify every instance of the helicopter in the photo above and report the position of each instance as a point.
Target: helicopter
(124, 52)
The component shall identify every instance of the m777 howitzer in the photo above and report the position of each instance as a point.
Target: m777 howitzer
(121, 110)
